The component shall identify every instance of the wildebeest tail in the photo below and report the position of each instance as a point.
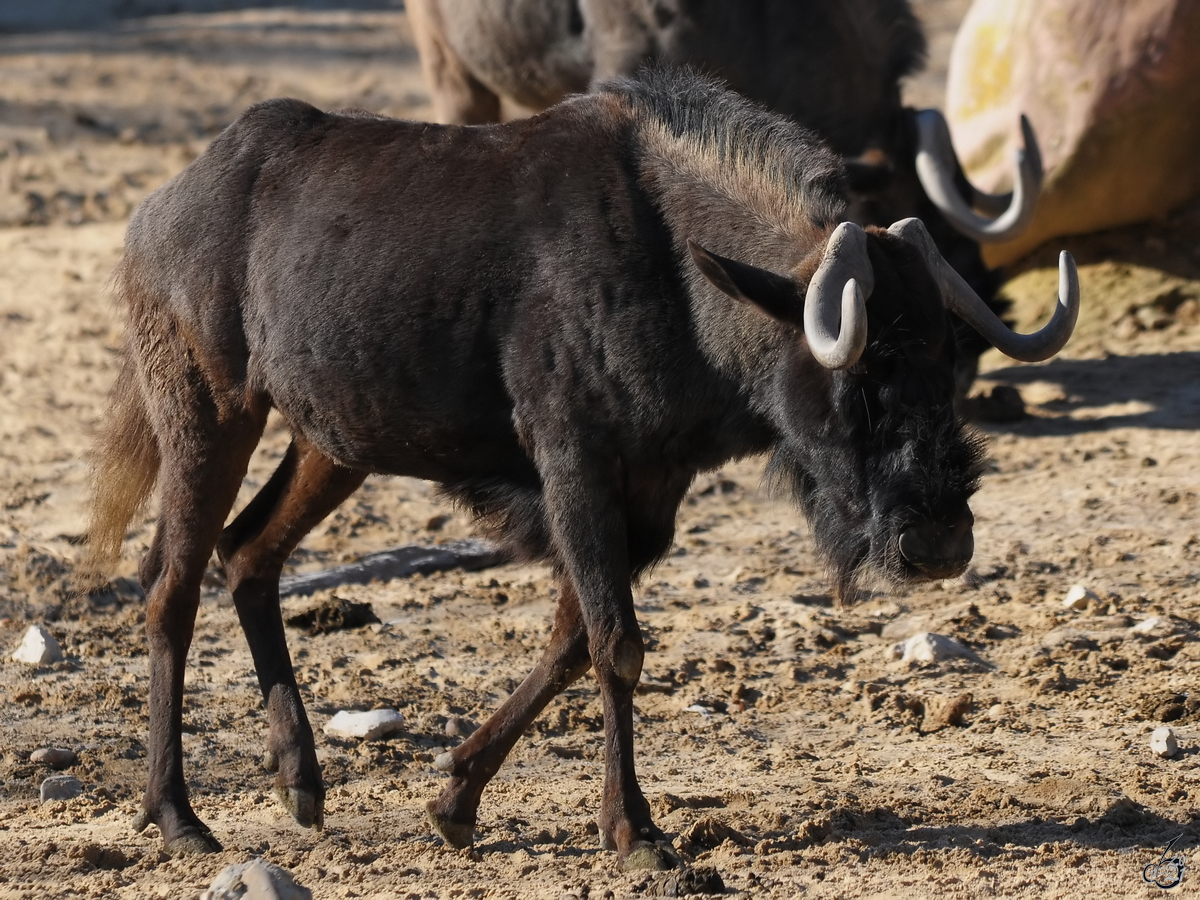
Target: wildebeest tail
(125, 463)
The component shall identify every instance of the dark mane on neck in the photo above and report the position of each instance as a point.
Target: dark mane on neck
(726, 139)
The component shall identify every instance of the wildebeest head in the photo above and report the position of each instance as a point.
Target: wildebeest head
(869, 440)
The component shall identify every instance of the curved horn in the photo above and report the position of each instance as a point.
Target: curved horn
(936, 167)
(835, 311)
(960, 299)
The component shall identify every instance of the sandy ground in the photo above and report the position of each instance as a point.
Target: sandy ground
(779, 740)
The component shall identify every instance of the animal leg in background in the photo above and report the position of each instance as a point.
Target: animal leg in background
(205, 452)
(473, 763)
(586, 508)
(303, 490)
(458, 96)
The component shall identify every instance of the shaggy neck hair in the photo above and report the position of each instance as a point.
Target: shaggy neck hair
(696, 130)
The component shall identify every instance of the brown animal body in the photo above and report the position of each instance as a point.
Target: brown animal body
(561, 321)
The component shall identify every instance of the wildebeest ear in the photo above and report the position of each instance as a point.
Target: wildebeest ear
(775, 295)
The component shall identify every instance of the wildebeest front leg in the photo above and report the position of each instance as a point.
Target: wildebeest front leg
(473, 763)
(587, 514)
(305, 488)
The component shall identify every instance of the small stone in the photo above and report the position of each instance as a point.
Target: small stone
(1153, 318)
(457, 726)
(995, 712)
(54, 757)
(60, 787)
(366, 726)
(255, 880)
(1078, 598)
(927, 646)
(1163, 743)
(39, 648)
(904, 628)
(1151, 625)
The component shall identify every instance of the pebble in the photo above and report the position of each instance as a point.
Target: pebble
(366, 726)
(928, 646)
(54, 757)
(60, 787)
(1163, 743)
(1152, 625)
(457, 726)
(1078, 597)
(38, 648)
(255, 880)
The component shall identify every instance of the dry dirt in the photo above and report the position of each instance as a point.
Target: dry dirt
(779, 740)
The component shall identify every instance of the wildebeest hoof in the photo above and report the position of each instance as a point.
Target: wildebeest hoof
(192, 842)
(656, 857)
(305, 806)
(457, 834)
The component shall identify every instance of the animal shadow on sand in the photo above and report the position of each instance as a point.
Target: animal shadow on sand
(1150, 391)
(1124, 826)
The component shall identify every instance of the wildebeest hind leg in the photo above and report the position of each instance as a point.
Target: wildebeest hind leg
(205, 452)
(473, 763)
(305, 488)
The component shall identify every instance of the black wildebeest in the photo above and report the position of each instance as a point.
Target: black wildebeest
(834, 66)
(561, 320)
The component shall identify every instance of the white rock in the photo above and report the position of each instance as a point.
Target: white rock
(1078, 597)
(255, 880)
(38, 647)
(1146, 626)
(927, 646)
(60, 787)
(1163, 743)
(366, 726)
